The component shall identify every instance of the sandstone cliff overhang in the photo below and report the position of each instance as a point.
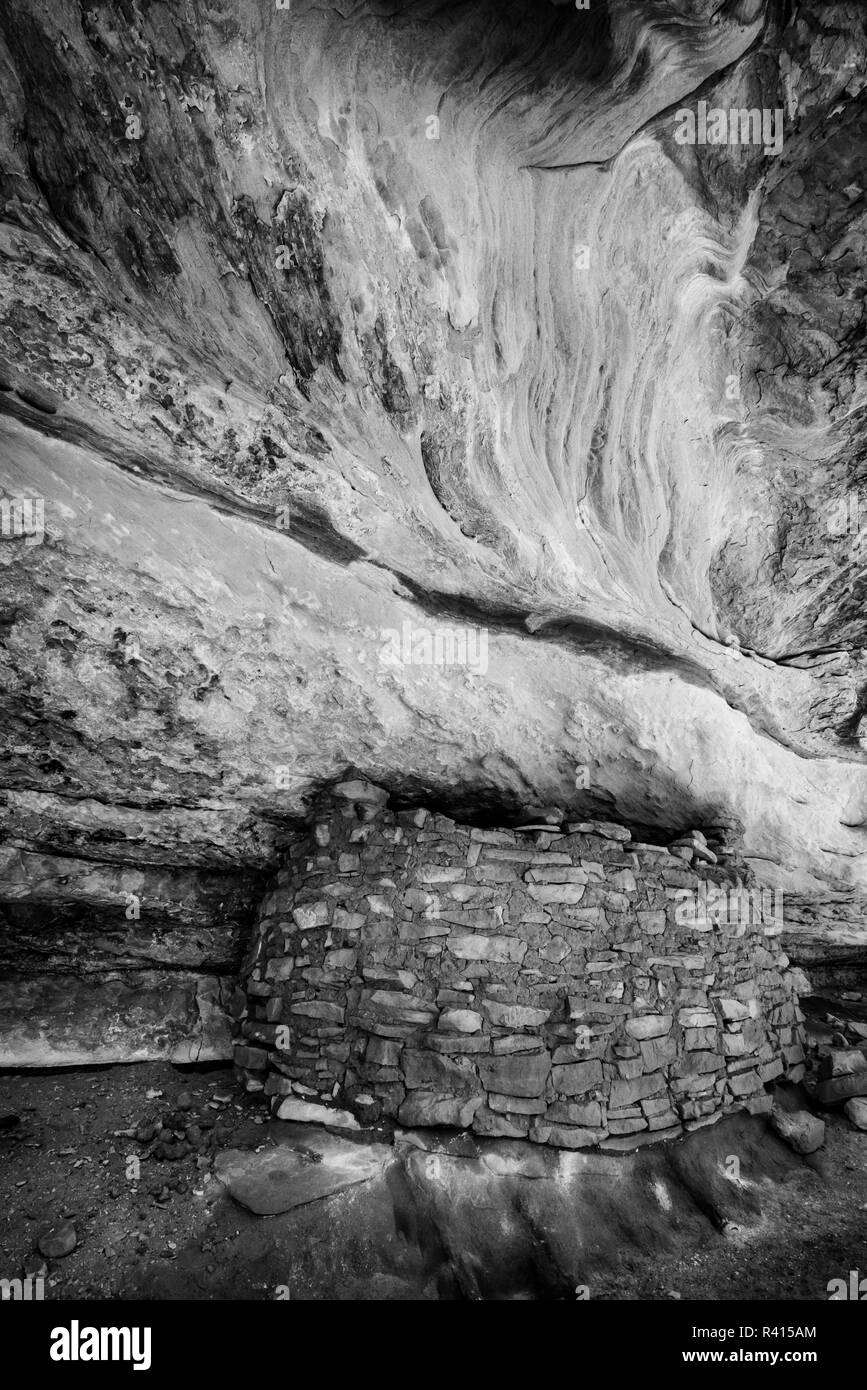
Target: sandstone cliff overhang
(391, 388)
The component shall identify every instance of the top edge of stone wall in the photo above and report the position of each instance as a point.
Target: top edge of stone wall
(721, 839)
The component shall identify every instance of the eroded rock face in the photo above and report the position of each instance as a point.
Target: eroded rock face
(402, 395)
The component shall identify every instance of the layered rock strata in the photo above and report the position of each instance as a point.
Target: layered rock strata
(323, 325)
(575, 988)
(101, 962)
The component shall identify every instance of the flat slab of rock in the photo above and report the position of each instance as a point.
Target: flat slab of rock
(429, 1108)
(312, 1114)
(606, 829)
(840, 1088)
(270, 1181)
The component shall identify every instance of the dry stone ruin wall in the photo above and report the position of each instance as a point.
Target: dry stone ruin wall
(527, 984)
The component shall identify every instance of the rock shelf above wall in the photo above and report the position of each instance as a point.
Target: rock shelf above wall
(330, 322)
(564, 984)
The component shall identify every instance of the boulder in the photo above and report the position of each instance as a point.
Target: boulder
(841, 1062)
(802, 1131)
(57, 1240)
(856, 1111)
(840, 1088)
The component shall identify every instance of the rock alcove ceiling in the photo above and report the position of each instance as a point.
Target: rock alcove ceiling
(327, 322)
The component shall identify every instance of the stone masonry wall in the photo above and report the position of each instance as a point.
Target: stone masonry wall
(528, 984)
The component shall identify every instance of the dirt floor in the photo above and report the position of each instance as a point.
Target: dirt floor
(148, 1225)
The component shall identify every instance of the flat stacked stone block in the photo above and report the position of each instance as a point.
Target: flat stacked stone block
(542, 984)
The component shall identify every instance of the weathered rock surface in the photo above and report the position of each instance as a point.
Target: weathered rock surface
(61, 1020)
(500, 1218)
(305, 1112)
(272, 1180)
(840, 1062)
(856, 1111)
(802, 1131)
(841, 1088)
(57, 1240)
(405, 400)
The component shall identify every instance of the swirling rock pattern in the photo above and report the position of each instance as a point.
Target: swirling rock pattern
(324, 323)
